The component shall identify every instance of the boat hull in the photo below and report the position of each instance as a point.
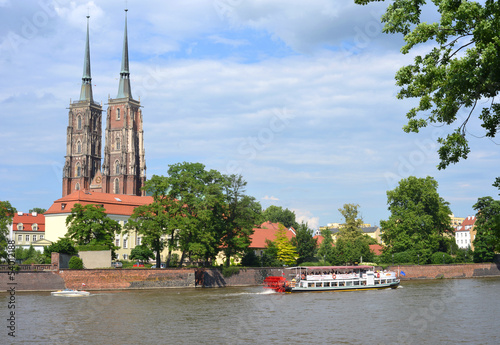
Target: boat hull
(393, 285)
(65, 293)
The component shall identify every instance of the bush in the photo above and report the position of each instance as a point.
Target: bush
(250, 259)
(437, 258)
(229, 271)
(75, 263)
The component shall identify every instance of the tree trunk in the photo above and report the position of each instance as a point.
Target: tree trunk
(181, 261)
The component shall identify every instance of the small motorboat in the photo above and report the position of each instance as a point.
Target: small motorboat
(70, 293)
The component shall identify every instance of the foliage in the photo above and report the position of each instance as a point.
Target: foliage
(240, 213)
(90, 225)
(37, 210)
(487, 239)
(351, 228)
(461, 69)
(142, 253)
(6, 214)
(230, 271)
(63, 246)
(270, 255)
(326, 249)
(419, 219)
(75, 263)
(440, 258)
(306, 244)
(286, 251)
(464, 255)
(250, 259)
(276, 214)
(29, 255)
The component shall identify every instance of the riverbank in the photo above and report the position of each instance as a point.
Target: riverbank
(134, 279)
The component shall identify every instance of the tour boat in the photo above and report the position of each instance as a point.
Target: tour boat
(331, 278)
(70, 293)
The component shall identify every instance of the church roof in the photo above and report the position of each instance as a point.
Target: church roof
(118, 204)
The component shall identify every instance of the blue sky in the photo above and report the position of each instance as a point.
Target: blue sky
(299, 97)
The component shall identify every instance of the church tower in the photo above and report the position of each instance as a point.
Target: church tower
(124, 166)
(84, 135)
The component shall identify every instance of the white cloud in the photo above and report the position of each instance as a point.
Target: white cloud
(270, 198)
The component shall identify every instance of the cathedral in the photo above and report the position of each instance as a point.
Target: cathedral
(123, 170)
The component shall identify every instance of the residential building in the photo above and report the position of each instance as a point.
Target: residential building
(267, 231)
(28, 229)
(466, 233)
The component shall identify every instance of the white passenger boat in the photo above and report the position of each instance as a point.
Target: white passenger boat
(331, 278)
(70, 293)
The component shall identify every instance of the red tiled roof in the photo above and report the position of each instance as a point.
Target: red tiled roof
(376, 248)
(27, 219)
(113, 203)
(319, 239)
(469, 220)
(267, 231)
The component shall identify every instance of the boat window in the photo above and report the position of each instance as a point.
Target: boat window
(318, 284)
(356, 282)
(341, 283)
(348, 284)
(383, 281)
(310, 285)
(326, 284)
(377, 282)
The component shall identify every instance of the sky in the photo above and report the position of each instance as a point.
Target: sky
(297, 96)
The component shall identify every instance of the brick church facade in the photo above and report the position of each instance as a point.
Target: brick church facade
(123, 170)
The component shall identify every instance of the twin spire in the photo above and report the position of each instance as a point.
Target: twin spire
(124, 90)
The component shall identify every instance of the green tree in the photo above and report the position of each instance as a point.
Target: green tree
(63, 246)
(487, 239)
(75, 263)
(38, 210)
(459, 70)
(286, 251)
(419, 220)
(90, 225)
(142, 253)
(326, 249)
(239, 215)
(6, 214)
(306, 244)
(276, 214)
(270, 255)
(199, 209)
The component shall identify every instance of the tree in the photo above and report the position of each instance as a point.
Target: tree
(199, 209)
(38, 210)
(276, 214)
(419, 220)
(286, 251)
(461, 70)
(90, 225)
(326, 249)
(142, 253)
(351, 228)
(487, 239)
(62, 246)
(306, 244)
(6, 214)
(239, 215)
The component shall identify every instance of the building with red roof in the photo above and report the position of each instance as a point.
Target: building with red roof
(466, 233)
(267, 231)
(29, 229)
(118, 207)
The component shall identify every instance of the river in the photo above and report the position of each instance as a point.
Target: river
(455, 311)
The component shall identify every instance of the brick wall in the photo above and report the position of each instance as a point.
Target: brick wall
(32, 281)
(447, 271)
(110, 279)
(245, 277)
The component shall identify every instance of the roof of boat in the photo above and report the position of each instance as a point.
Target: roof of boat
(331, 267)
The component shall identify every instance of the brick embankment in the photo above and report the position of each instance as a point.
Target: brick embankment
(245, 277)
(447, 271)
(116, 279)
(31, 281)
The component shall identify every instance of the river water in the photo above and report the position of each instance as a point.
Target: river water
(460, 311)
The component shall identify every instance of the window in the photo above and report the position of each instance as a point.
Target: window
(34, 227)
(117, 167)
(117, 242)
(79, 122)
(20, 226)
(139, 241)
(117, 186)
(27, 238)
(34, 238)
(41, 237)
(125, 243)
(118, 113)
(78, 170)
(77, 186)
(19, 238)
(79, 147)
(125, 256)
(118, 145)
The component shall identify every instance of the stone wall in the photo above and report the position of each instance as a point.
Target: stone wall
(245, 277)
(32, 281)
(447, 271)
(111, 279)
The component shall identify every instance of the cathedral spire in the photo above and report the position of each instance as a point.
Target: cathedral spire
(124, 90)
(86, 92)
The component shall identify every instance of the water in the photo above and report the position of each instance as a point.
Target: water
(461, 311)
